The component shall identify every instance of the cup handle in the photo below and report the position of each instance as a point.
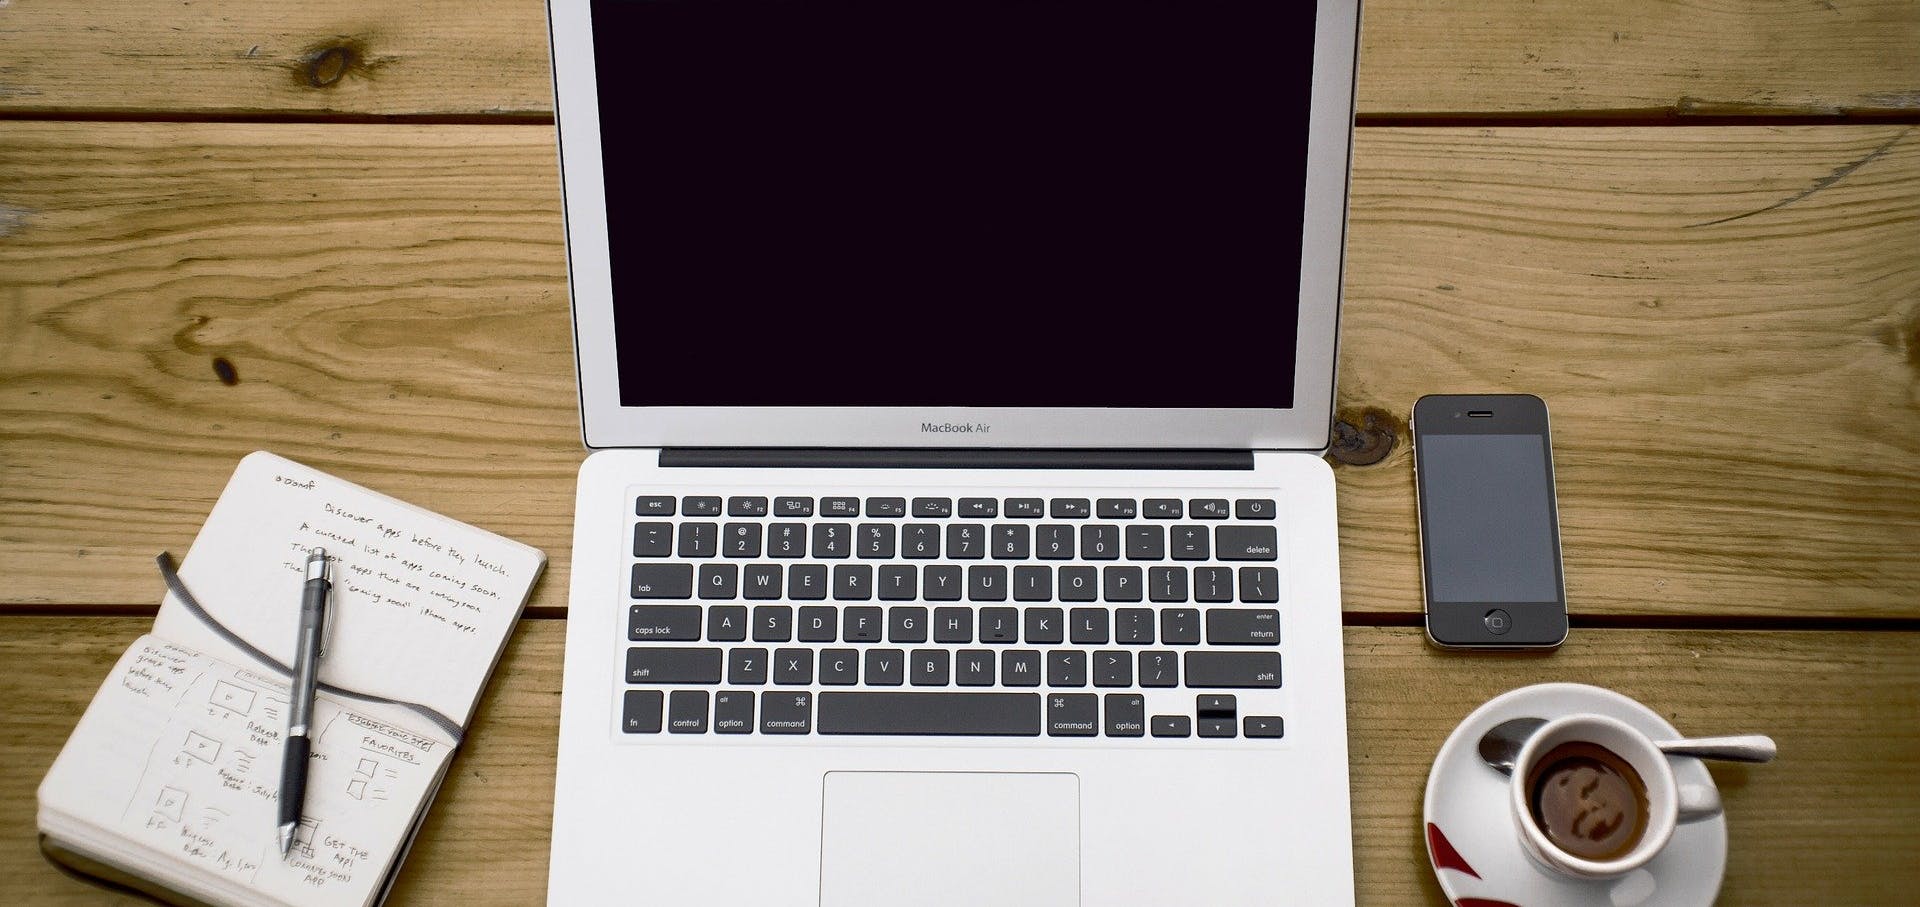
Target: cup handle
(1697, 801)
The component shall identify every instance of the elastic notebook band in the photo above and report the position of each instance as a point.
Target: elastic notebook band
(179, 589)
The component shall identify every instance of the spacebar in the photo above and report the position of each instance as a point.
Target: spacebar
(930, 714)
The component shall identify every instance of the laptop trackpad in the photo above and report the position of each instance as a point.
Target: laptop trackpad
(950, 838)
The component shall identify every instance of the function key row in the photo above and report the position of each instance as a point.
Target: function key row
(973, 508)
(929, 714)
(742, 505)
(913, 624)
(962, 541)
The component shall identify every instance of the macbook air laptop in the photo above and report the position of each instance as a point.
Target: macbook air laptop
(955, 531)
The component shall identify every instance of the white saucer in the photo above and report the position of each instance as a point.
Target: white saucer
(1493, 871)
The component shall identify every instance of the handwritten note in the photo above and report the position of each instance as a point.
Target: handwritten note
(180, 753)
(174, 770)
(421, 603)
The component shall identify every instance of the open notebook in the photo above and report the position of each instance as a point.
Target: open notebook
(170, 781)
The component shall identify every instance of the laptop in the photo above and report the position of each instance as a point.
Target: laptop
(955, 530)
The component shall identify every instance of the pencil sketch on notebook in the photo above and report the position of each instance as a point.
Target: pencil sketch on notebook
(206, 790)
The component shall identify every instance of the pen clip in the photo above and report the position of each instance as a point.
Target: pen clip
(318, 558)
(326, 623)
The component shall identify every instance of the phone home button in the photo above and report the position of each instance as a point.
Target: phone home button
(1498, 622)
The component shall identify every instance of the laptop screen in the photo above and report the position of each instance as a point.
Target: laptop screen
(1008, 203)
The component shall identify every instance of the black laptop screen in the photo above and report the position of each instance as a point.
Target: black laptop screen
(955, 202)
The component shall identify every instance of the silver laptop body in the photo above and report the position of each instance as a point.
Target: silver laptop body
(956, 374)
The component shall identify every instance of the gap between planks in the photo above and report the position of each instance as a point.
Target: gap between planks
(1436, 120)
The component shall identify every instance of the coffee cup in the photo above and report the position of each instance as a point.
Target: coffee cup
(1594, 798)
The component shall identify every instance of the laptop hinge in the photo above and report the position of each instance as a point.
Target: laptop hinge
(949, 458)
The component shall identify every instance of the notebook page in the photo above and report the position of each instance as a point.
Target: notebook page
(422, 604)
(180, 754)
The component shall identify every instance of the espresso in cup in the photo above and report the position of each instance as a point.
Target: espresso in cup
(1588, 800)
(1595, 798)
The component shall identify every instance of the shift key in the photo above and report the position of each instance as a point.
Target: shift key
(1231, 670)
(661, 664)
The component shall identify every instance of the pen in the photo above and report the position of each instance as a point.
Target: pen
(307, 649)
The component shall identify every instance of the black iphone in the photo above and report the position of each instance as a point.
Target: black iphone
(1489, 524)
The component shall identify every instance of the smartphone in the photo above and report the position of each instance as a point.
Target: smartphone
(1489, 524)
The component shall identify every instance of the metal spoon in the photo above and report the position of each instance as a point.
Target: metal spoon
(1502, 745)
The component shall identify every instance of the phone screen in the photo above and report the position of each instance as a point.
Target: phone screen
(1489, 531)
(1489, 521)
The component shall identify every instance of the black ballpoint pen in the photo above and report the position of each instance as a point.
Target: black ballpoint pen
(309, 646)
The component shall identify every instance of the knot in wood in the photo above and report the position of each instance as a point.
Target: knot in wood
(1364, 437)
(1913, 340)
(328, 64)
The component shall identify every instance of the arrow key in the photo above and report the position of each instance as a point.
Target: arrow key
(1268, 726)
(1216, 727)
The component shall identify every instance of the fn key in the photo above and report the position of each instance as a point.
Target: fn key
(640, 712)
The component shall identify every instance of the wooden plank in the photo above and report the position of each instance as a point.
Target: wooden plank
(1684, 58)
(1733, 361)
(484, 58)
(460, 58)
(1821, 825)
(1725, 327)
(350, 298)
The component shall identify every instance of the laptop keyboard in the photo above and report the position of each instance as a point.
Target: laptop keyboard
(912, 615)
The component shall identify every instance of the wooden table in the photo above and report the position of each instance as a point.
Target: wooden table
(332, 231)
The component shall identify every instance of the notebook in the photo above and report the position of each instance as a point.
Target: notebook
(169, 783)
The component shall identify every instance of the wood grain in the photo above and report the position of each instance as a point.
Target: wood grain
(488, 58)
(449, 58)
(1821, 825)
(1725, 322)
(1725, 325)
(380, 320)
(1684, 58)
